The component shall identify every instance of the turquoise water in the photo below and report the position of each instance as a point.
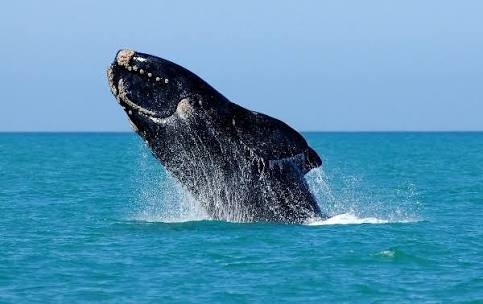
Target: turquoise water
(93, 218)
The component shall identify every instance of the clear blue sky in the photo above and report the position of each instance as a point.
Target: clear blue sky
(318, 65)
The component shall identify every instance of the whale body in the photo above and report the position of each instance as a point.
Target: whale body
(240, 165)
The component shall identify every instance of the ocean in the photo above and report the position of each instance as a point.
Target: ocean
(92, 217)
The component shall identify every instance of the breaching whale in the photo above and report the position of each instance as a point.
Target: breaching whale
(240, 165)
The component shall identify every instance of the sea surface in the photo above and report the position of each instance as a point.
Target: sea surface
(94, 218)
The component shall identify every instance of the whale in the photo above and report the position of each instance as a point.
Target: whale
(239, 165)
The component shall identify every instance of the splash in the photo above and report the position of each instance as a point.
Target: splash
(355, 202)
(159, 197)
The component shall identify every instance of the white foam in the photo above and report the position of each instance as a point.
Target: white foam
(347, 219)
(387, 253)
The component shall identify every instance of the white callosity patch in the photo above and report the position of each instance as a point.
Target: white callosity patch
(124, 56)
(162, 121)
(135, 68)
(110, 77)
(184, 109)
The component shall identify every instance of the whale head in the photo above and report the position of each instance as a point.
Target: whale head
(152, 90)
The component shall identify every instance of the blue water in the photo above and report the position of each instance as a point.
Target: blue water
(93, 218)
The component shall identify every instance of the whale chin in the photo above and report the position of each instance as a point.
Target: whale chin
(239, 165)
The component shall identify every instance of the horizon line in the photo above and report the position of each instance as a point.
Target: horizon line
(302, 131)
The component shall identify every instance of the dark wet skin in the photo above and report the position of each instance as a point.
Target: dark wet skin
(240, 165)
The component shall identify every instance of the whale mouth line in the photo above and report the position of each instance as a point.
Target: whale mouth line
(151, 115)
(123, 95)
(120, 91)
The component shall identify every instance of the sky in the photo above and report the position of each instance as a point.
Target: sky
(317, 65)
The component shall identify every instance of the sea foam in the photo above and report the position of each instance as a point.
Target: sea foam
(347, 219)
